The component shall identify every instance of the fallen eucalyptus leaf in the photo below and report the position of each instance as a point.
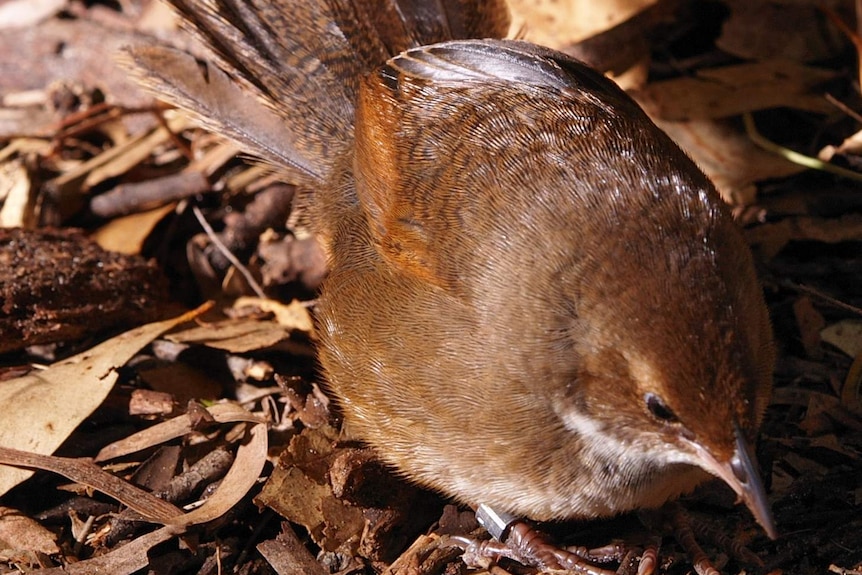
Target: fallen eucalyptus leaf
(44, 407)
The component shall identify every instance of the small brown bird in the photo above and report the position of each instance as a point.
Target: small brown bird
(536, 300)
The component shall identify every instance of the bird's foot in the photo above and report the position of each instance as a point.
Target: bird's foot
(518, 540)
(687, 532)
(542, 554)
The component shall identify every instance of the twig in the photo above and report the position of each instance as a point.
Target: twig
(823, 296)
(227, 254)
(794, 156)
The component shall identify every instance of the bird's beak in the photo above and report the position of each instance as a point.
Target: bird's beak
(740, 473)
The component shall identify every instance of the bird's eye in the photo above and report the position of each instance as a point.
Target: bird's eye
(658, 408)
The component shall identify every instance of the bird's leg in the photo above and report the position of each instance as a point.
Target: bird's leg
(734, 546)
(672, 518)
(516, 539)
(641, 561)
(684, 534)
(529, 546)
(687, 531)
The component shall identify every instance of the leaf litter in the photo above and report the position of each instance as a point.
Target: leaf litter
(224, 417)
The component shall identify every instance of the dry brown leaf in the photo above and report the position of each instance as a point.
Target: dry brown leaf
(296, 496)
(243, 474)
(127, 234)
(561, 23)
(733, 90)
(810, 322)
(25, 146)
(623, 51)
(113, 162)
(234, 335)
(124, 560)
(796, 31)
(120, 159)
(293, 316)
(85, 472)
(289, 556)
(20, 119)
(15, 194)
(846, 335)
(173, 428)
(214, 158)
(150, 402)
(248, 178)
(771, 238)
(729, 158)
(432, 552)
(50, 404)
(20, 532)
(299, 490)
(183, 381)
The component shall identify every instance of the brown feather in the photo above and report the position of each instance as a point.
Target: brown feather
(536, 300)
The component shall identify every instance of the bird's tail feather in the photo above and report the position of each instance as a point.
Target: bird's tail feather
(287, 71)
